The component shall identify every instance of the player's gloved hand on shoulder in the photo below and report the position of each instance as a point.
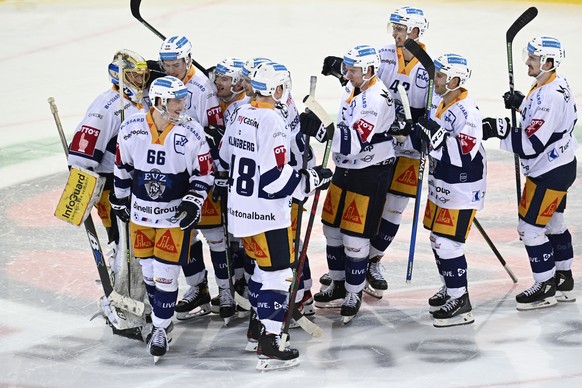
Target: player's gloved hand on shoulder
(317, 177)
(400, 129)
(189, 210)
(155, 72)
(310, 125)
(333, 66)
(213, 135)
(220, 188)
(431, 132)
(496, 127)
(513, 99)
(120, 207)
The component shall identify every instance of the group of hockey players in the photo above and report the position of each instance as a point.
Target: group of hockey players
(228, 156)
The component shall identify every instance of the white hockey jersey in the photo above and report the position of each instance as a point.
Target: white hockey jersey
(548, 117)
(255, 150)
(413, 77)
(158, 169)
(458, 169)
(360, 139)
(93, 144)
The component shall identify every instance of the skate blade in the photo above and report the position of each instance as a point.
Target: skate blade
(227, 320)
(252, 346)
(329, 305)
(200, 311)
(565, 296)
(347, 319)
(461, 319)
(156, 359)
(268, 364)
(378, 294)
(547, 302)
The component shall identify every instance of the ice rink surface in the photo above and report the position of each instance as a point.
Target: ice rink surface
(47, 275)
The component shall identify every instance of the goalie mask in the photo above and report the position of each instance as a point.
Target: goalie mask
(268, 76)
(453, 65)
(165, 88)
(545, 47)
(135, 73)
(409, 17)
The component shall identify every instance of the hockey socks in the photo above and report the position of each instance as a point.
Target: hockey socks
(271, 307)
(385, 235)
(563, 251)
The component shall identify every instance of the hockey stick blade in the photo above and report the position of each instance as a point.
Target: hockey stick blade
(317, 109)
(306, 324)
(424, 59)
(521, 22)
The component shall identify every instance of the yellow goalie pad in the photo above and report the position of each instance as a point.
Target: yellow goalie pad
(82, 191)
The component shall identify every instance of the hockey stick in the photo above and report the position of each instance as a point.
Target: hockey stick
(120, 301)
(517, 25)
(494, 249)
(428, 64)
(134, 6)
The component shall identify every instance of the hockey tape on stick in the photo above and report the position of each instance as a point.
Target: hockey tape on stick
(405, 102)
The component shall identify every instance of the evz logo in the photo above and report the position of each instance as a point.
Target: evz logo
(155, 183)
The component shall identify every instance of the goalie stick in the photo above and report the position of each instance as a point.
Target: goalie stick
(120, 301)
(134, 6)
(517, 25)
(426, 61)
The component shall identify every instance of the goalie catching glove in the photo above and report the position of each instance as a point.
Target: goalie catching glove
(493, 127)
(311, 125)
(333, 66)
(189, 210)
(431, 132)
(120, 207)
(317, 177)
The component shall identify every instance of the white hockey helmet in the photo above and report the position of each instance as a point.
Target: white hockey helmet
(545, 47)
(267, 76)
(410, 17)
(362, 56)
(251, 65)
(135, 73)
(231, 67)
(176, 47)
(453, 65)
(165, 88)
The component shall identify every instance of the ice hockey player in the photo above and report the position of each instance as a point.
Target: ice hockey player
(203, 105)
(456, 184)
(163, 174)
(546, 148)
(255, 150)
(363, 154)
(399, 67)
(93, 148)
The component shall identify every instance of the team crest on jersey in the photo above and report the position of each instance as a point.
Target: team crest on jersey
(85, 140)
(180, 143)
(364, 129)
(421, 80)
(450, 118)
(553, 155)
(565, 92)
(534, 126)
(467, 143)
(155, 183)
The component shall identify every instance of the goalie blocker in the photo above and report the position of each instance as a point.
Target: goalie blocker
(81, 193)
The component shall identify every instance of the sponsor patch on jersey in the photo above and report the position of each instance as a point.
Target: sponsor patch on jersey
(142, 241)
(421, 80)
(205, 162)
(166, 243)
(444, 218)
(351, 214)
(215, 116)
(467, 143)
(364, 129)
(280, 156)
(117, 156)
(85, 140)
(408, 177)
(180, 143)
(534, 126)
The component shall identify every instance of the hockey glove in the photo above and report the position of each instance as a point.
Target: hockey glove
(333, 66)
(213, 135)
(310, 125)
(429, 131)
(120, 207)
(513, 100)
(400, 129)
(317, 177)
(189, 210)
(496, 127)
(220, 189)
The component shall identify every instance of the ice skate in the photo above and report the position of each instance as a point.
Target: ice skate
(538, 296)
(331, 297)
(240, 288)
(270, 357)
(253, 332)
(325, 279)
(306, 305)
(215, 305)
(375, 282)
(195, 303)
(158, 343)
(351, 306)
(438, 300)
(227, 309)
(565, 286)
(455, 312)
